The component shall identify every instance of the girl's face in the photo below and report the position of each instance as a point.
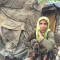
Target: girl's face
(43, 25)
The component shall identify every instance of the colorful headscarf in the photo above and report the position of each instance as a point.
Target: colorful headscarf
(38, 28)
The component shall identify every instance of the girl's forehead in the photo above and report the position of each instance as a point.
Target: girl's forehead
(43, 20)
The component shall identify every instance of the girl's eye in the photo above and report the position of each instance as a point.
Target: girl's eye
(45, 23)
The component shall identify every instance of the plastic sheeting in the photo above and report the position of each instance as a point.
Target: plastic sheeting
(10, 24)
(57, 4)
(47, 1)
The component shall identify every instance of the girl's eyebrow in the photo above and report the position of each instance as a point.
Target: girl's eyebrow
(40, 23)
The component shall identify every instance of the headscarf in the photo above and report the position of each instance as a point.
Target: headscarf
(38, 28)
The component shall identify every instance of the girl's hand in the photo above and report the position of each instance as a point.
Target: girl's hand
(40, 34)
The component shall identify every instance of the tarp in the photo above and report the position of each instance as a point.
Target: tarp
(47, 1)
(57, 4)
(10, 24)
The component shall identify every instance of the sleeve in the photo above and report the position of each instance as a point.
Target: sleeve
(49, 43)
